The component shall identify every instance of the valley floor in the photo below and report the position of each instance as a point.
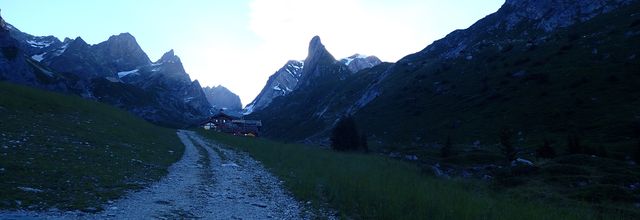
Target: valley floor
(209, 182)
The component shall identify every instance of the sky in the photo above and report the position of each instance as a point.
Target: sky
(240, 43)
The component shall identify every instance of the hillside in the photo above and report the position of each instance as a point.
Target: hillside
(518, 68)
(581, 80)
(69, 153)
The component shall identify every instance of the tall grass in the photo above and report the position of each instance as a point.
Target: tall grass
(376, 187)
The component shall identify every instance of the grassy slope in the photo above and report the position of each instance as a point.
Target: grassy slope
(77, 154)
(374, 187)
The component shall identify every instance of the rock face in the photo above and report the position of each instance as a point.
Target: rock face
(162, 92)
(358, 62)
(222, 98)
(116, 72)
(121, 52)
(281, 83)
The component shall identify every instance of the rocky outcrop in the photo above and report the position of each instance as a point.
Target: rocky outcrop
(281, 83)
(222, 98)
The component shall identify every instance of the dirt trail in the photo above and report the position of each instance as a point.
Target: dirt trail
(209, 182)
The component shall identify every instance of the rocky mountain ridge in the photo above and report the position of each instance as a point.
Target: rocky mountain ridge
(116, 71)
(285, 80)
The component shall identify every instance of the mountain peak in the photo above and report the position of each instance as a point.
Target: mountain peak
(126, 37)
(222, 98)
(358, 62)
(315, 44)
(317, 50)
(78, 43)
(169, 57)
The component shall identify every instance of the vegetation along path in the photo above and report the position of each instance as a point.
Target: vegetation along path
(209, 182)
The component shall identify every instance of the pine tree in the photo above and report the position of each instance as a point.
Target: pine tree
(344, 136)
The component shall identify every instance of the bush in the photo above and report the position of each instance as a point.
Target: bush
(546, 151)
(344, 136)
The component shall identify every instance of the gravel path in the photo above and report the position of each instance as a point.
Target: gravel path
(209, 182)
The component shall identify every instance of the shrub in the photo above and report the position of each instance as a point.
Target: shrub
(546, 151)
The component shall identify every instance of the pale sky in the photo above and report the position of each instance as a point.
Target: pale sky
(240, 43)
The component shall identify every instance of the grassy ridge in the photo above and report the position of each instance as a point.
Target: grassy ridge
(69, 153)
(374, 187)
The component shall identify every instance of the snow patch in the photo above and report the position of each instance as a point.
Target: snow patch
(248, 110)
(113, 79)
(39, 44)
(350, 59)
(347, 60)
(29, 189)
(188, 99)
(126, 73)
(39, 57)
